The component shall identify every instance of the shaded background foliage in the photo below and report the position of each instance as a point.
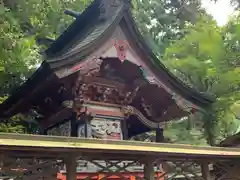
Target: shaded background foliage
(186, 38)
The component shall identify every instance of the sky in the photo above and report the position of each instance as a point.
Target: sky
(220, 10)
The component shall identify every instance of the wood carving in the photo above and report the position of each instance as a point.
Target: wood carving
(147, 108)
(96, 82)
(88, 66)
(103, 93)
(129, 96)
(130, 110)
(121, 47)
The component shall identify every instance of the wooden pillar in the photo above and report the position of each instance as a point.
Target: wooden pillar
(74, 124)
(86, 120)
(132, 178)
(100, 176)
(43, 131)
(71, 168)
(205, 171)
(124, 127)
(149, 170)
(159, 135)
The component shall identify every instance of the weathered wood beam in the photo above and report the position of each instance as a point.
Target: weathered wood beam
(65, 145)
(52, 119)
(86, 120)
(205, 171)
(124, 129)
(159, 135)
(149, 170)
(71, 167)
(74, 124)
(46, 174)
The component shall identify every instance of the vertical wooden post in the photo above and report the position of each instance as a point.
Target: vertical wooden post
(74, 124)
(71, 168)
(205, 171)
(149, 170)
(43, 131)
(124, 127)
(100, 176)
(132, 178)
(159, 135)
(86, 119)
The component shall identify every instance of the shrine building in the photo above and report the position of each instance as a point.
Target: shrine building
(100, 79)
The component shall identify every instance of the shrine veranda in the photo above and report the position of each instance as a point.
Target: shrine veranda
(31, 156)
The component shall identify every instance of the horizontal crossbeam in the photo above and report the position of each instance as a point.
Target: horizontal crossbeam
(60, 146)
(29, 149)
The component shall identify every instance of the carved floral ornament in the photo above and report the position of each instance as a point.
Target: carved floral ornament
(102, 93)
(88, 66)
(121, 48)
(93, 92)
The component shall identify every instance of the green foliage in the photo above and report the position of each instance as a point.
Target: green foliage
(182, 134)
(21, 23)
(203, 55)
(207, 59)
(13, 126)
(162, 22)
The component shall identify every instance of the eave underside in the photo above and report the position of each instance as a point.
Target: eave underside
(48, 101)
(155, 108)
(231, 141)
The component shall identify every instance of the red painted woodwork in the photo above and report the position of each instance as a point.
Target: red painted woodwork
(121, 47)
(97, 176)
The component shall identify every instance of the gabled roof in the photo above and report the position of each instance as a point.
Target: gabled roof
(87, 33)
(100, 30)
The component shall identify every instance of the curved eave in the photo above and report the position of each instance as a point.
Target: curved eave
(18, 97)
(90, 40)
(161, 72)
(231, 141)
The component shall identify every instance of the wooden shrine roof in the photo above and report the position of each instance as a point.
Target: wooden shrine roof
(95, 32)
(83, 37)
(231, 141)
(29, 145)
